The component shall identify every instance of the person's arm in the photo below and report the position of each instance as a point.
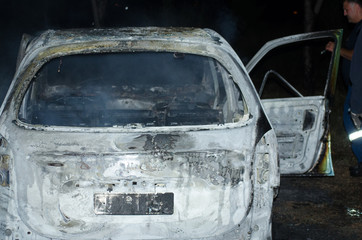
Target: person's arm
(345, 53)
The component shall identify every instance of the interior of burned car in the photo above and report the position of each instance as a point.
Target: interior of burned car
(143, 89)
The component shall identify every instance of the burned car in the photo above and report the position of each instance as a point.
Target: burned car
(149, 133)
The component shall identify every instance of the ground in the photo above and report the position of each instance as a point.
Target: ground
(318, 208)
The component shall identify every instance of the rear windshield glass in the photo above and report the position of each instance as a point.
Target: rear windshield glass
(131, 89)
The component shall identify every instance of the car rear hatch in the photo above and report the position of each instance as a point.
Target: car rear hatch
(141, 186)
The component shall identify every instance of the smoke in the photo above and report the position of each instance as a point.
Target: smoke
(125, 89)
(22, 16)
(8, 49)
(227, 25)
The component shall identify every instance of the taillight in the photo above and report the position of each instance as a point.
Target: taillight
(267, 166)
(4, 163)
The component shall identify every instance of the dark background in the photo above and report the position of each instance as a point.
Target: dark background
(306, 208)
(247, 25)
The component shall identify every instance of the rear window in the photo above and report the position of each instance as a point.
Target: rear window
(131, 89)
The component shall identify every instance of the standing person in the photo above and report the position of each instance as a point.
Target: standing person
(352, 9)
(355, 131)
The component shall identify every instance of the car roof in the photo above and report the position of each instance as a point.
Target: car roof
(190, 35)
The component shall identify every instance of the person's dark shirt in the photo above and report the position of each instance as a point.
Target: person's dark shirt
(349, 45)
(356, 76)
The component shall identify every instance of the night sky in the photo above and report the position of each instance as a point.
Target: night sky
(247, 25)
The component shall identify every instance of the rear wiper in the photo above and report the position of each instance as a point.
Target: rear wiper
(131, 126)
(162, 106)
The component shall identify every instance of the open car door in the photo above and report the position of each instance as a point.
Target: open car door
(296, 79)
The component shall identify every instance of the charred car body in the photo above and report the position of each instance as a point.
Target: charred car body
(146, 133)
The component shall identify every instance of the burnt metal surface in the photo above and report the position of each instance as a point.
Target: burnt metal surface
(160, 142)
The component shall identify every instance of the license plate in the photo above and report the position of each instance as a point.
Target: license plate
(133, 204)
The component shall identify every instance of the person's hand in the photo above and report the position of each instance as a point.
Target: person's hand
(330, 46)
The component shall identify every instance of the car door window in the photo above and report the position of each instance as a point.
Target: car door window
(296, 70)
